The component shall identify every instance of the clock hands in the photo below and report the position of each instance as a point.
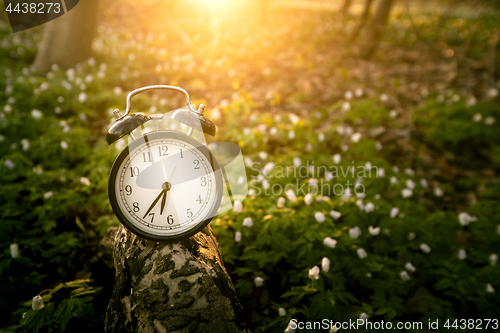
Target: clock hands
(163, 194)
(154, 203)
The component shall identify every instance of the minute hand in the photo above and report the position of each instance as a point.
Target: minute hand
(164, 192)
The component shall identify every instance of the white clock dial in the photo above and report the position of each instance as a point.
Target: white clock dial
(164, 186)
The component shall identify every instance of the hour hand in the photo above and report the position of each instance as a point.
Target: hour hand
(154, 202)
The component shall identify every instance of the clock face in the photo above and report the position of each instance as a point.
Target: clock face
(163, 186)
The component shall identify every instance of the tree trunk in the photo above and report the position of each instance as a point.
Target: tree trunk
(376, 28)
(345, 7)
(67, 40)
(362, 20)
(171, 287)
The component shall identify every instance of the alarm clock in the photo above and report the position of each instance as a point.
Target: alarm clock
(165, 185)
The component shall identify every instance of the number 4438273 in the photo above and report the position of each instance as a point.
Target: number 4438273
(34, 8)
(473, 324)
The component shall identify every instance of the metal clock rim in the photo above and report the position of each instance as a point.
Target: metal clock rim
(135, 144)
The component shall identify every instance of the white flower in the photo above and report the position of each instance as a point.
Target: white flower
(82, 97)
(410, 267)
(329, 176)
(289, 329)
(319, 216)
(64, 145)
(268, 168)
(477, 117)
(370, 207)
(358, 92)
(308, 199)
(9, 164)
(241, 180)
(117, 90)
(14, 251)
(406, 193)
(411, 236)
(361, 253)
(7, 108)
(252, 191)
(384, 98)
(297, 162)
(85, 181)
(263, 155)
(346, 106)
(425, 248)
(26, 144)
(281, 202)
(354, 232)
(336, 215)
(258, 281)
(238, 206)
(282, 312)
(290, 194)
(314, 273)
(364, 316)
(464, 218)
(293, 118)
(331, 243)
(337, 158)
(373, 231)
(489, 121)
(410, 172)
(248, 161)
(348, 95)
(48, 195)
(410, 184)
(404, 276)
(321, 137)
(393, 113)
(291, 134)
(325, 264)
(462, 254)
(381, 173)
(493, 258)
(37, 114)
(438, 192)
(356, 137)
(394, 212)
(490, 289)
(393, 180)
(237, 236)
(247, 222)
(492, 93)
(423, 183)
(37, 303)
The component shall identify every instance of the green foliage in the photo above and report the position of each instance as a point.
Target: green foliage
(65, 302)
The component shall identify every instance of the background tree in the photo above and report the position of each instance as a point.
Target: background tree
(67, 40)
(376, 28)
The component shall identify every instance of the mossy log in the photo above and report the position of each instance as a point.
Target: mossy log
(171, 287)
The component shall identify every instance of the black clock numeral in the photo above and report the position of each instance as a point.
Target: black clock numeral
(152, 216)
(162, 151)
(181, 152)
(189, 213)
(128, 189)
(199, 200)
(134, 172)
(148, 159)
(203, 181)
(196, 164)
(136, 206)
(170, 219)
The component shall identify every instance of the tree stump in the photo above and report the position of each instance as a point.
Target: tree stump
(171, 287)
